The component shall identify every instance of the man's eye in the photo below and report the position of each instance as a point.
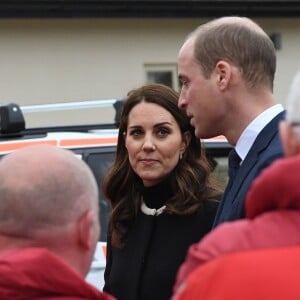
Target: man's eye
(184, 82)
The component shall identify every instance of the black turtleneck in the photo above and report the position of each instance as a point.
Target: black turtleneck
(157, 195)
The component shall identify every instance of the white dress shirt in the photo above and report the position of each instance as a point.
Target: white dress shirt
(251, 132)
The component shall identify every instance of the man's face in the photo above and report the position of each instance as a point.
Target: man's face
(199, 95)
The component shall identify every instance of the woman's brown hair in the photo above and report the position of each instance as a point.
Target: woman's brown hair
(191, 181)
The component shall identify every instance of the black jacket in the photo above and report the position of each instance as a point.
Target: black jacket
(155, 248)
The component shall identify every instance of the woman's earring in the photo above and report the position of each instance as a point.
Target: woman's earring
(180, 155)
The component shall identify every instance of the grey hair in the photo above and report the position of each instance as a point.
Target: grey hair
(293, 101)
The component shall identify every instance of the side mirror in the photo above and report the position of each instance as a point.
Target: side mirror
(118, 105)
(11, 119)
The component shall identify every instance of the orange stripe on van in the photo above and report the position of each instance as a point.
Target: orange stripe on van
(85, 142)
(104, 250)
(7, 147)
(219, 138)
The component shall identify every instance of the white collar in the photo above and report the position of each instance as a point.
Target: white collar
(251, 132)
(151, 211)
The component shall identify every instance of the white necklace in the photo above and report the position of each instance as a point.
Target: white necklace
(151, 211)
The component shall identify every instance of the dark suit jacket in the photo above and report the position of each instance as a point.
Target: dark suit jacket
(266, 148)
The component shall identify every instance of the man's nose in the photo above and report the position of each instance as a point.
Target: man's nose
(182, 101)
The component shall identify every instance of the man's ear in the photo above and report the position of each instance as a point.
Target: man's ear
(223, 71)
(88, 229)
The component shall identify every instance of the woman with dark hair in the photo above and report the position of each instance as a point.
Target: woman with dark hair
(162, 195)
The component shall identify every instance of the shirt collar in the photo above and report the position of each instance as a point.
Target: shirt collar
(251, 132)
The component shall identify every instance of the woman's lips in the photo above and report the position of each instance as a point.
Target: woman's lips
(148, 161)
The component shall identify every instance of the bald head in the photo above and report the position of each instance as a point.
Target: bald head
(237, 40)
(43, 187)
(234, 20)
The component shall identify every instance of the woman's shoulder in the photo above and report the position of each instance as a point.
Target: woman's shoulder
(209, 207)
(205, 215)
(212, 203)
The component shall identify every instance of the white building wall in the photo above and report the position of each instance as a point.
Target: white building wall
(57, 60)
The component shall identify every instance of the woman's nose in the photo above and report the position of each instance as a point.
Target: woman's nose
(149, 144)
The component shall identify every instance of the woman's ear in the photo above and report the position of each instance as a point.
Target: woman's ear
(186, 139)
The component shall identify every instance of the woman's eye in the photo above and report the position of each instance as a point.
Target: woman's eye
(163, 132)
(135, 132)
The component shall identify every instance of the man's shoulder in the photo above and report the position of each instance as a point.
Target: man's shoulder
(273, 150)
(268, 144)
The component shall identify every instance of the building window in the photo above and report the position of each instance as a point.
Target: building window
(162, 73)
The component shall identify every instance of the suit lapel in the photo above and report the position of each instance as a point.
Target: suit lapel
(261, 143)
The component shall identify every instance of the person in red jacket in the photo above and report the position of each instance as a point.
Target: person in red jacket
(49, 225)
(272, 224)
(271, 273)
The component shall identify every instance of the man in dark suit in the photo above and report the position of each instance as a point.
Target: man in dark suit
(227, 69)
(240, 257)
